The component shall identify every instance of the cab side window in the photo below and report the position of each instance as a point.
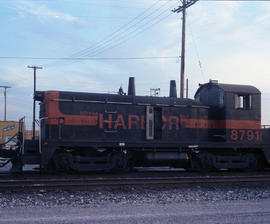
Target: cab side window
(243, 101)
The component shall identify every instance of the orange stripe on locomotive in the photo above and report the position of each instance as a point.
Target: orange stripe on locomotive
(133, 121)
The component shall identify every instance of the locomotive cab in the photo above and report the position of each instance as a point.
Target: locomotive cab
(235, 111)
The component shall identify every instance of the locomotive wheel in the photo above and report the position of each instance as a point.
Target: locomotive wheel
(63, 161)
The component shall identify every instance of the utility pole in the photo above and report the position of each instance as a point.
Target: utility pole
(5, 95)
(34, 101)
(185, 5)
(186, 88)
(183, 50)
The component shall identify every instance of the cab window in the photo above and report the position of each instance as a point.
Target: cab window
(243, 101)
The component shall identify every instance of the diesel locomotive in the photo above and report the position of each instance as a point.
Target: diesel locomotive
(220, 129)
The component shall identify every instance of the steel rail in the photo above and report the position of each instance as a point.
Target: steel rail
(116, 181)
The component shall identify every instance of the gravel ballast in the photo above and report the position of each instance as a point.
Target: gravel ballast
(133, 195)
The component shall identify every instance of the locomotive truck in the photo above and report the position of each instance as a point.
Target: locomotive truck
(220, 129)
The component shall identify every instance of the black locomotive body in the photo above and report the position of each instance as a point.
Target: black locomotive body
(105, 131)
(221, 128)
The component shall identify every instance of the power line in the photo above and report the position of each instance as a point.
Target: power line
(133, 36)
(122, 34)
(85, 52)
(81, 16)
(107, 42)
(197, 52)
(143, 1)
(129, 36)
(125, 37)
(120, 30)
(89, 58)
(116, 31)
(234, 0)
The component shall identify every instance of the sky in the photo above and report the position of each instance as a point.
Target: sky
(107, 41)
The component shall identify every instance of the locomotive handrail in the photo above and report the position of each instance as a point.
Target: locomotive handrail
(41, 119)
(265, 126)
(90, 101)
(21, 133)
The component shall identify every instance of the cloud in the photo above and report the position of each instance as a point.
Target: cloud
(17, 77)
(42, 12)
(264, 19)
(217, 14)
(73, 80)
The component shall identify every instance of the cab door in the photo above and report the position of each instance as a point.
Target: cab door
(153, 123)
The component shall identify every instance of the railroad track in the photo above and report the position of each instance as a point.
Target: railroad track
(88, 182)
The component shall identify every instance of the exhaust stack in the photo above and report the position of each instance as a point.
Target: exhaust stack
(173, 92)
(131, 86)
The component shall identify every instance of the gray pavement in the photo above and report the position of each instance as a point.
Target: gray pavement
(244, 212)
